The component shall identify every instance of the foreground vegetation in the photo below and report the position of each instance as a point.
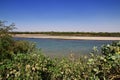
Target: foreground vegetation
(88, 34)
(21, 60)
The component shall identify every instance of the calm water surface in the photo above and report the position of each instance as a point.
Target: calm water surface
(58, 47)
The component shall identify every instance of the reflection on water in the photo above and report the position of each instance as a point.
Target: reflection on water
(59, 47)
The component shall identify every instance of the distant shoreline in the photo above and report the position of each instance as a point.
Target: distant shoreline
(64, 37)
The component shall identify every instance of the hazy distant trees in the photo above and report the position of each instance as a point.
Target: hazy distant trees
(97, 34)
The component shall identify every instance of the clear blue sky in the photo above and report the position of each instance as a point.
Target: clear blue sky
(62, 15)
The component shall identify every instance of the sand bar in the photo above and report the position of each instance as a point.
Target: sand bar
(64, 37)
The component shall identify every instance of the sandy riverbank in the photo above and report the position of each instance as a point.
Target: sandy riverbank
(64, 37)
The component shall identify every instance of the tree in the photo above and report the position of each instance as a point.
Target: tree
(9, 46)
(6, 40)
(4, 30)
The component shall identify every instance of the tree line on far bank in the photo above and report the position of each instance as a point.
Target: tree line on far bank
(96, 34)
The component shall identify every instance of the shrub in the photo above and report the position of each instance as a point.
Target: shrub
(36, 66)
(111, 49)
(6, 41)
(23, 47)
(10, 47)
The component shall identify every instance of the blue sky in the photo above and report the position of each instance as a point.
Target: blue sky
(62, 15)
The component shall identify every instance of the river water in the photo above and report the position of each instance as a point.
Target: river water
(59, 47)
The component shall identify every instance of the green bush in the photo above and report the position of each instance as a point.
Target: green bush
(111, 49)
(10, 47)
(36, 66)
(6, 41)
(23, 47)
